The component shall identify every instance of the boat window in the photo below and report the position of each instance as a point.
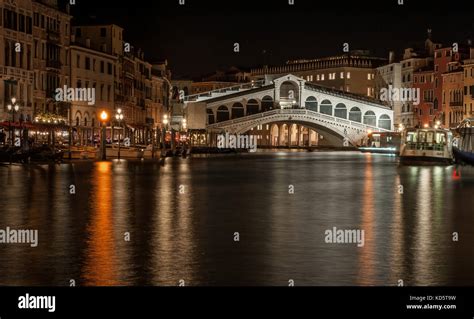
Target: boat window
(422, 137)
(411, 137)
(429, 137)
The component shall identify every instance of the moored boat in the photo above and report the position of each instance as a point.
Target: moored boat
(382, 143)
(463, 147)
(427, 146)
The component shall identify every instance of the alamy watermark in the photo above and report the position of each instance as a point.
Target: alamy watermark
(230, 141)
(345, 236)
(392, 94)
(66, 94)
(19, 236)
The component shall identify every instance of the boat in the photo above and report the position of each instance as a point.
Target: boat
(463, 146)
(81, 152)
(426, 146)
(125, 152)
(382, 143)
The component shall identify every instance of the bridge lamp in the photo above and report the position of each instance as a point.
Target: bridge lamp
(165, 119)
(426, 126)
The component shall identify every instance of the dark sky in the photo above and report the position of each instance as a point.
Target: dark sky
(198, 38)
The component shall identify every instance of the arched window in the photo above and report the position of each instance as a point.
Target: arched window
(435, 104)
(311, 104)
(267, 103)
(222, 114)
(341, 111)
(355, 115)
(77, 121)
(385, 122)
(326, 107)
(85, 122)
(252, 107)
(93, 122)
(237, 110)
(210, 117)
(370, 118)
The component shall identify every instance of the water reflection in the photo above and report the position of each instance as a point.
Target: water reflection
(187, 233)
(100, 256)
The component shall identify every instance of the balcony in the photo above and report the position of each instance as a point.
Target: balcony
(54, 64)
(455, 104)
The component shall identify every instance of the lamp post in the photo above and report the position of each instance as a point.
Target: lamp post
(103, 117)
(119, 118)
(165, 125)
(12, 108)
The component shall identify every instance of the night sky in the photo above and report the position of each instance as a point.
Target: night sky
(198, 38)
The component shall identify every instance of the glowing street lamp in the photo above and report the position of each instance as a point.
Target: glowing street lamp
(12, 108)
(103, 118)
(119, 118)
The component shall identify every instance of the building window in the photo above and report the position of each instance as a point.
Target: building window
(348, 75)
(88, 63)
(103, 32)
(102, 67)
(78, 32)
(342, 75)
(78, 61)
(109, 68)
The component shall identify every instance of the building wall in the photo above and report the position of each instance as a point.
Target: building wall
(453, 96)
(468, 79)
(426, 111)
(32, 73)
(390, 76)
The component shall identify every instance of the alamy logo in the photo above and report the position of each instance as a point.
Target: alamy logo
(392, 94)
(229, 141)
(66, 94)
(37, 302)
(345, 236)
(23, 236)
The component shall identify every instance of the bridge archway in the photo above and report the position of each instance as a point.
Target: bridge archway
(267, 103)
(223, 114)
(311, 104)
(210, 117)
(341, 111)
(355, 115)
(252, 107)
(289, 94)
(370, 118)
(385, 122)
(326, 107)
(237, 111)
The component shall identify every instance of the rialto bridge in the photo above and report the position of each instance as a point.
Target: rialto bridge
(288, 111)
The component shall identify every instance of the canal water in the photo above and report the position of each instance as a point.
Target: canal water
(256, 219)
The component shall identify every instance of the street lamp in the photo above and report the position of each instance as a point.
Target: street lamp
(165, 125)
(12, 108)
(104, 117)
(119, 118)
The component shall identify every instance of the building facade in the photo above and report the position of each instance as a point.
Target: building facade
(353, 72)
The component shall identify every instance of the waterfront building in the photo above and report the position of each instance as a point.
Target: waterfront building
(34, 41)
(453, 96)
(427, 111)
(389, 77)
(468, 80)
